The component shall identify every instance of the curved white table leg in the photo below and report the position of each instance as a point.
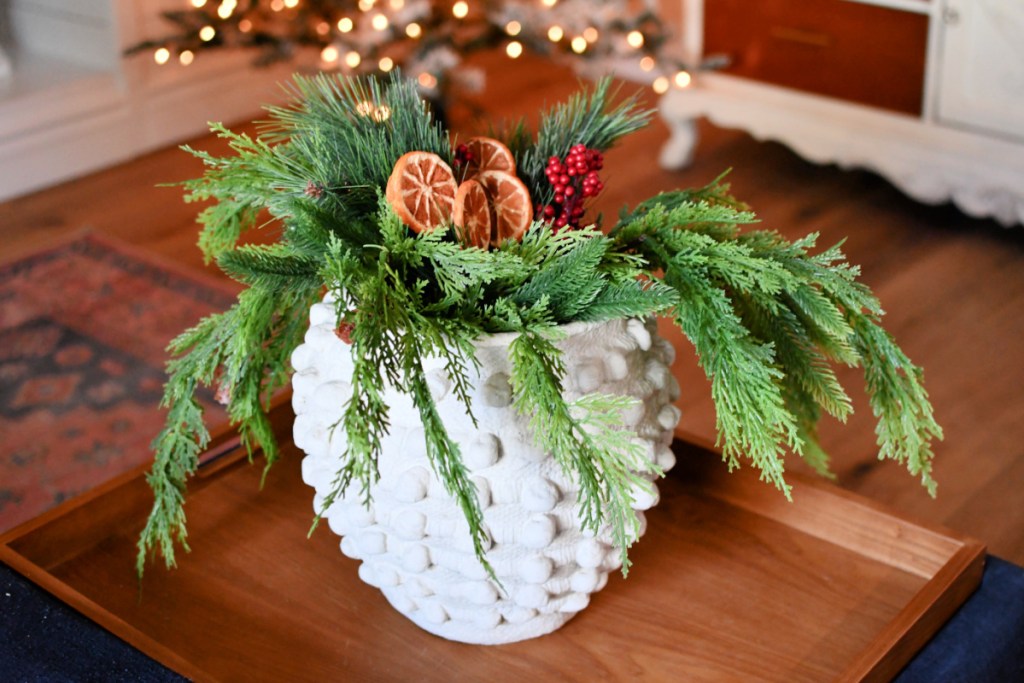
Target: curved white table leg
(6, 67)
(678, 152)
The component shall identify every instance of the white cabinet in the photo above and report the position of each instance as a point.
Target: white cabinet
(981, 66)
(958, 137)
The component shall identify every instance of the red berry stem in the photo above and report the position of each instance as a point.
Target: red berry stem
(574, 180)
(461, 161)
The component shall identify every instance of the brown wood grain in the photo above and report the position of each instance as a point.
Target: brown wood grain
(853, 51)
(717, 592)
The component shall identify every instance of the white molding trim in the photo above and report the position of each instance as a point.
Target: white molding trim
(983, 176)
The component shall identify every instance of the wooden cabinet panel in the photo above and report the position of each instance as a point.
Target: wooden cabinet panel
(861, 53)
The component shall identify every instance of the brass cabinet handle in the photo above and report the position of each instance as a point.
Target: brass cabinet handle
(804, 37)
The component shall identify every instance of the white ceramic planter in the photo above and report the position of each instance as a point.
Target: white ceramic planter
(414, 542)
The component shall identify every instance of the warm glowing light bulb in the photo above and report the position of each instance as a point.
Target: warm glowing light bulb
(277, 5)
(460, 9)
(549, 3)
(660, 85)
(555, 34)
(579, 45)
(413, 30)
(382, 113)
(323, 28)
(245, 26)
(635, 39)
(590, 34)
(225, 10)
(291, 3)
(161, 55)
(352, 59)
(186, 57)
(386, 64)
(207, 33)
(397, 4)
(345, 24)
(365, 5)
(647, 63)
(329, 54)
(513, 28)
(682, 79)
(198, 3)
(364, 108)
(379, 22)
(514, 49)
(427, 80)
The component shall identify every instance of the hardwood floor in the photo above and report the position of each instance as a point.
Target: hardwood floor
(953, 288)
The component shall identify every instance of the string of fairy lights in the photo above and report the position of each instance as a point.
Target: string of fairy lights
(426, 38)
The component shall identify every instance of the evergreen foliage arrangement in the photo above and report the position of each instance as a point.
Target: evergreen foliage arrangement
(768, 317)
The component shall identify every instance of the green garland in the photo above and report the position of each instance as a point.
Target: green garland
(768, 317)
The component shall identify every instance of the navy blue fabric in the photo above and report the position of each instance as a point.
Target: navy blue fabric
(984, 641)
(44, 641)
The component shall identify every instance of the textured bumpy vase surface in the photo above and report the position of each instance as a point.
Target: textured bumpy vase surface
(414, 542)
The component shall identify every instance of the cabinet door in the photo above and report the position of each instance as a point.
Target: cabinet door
(853, 51)
(981, 79)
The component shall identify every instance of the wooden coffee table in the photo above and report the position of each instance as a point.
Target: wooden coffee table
(729, 582)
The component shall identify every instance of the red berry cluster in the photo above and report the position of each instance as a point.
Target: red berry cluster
(574, 180)
(462, 155)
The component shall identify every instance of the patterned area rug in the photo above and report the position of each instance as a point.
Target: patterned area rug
(83, 328)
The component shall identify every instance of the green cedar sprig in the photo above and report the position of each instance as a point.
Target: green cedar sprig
(767, 318)
(584, 437)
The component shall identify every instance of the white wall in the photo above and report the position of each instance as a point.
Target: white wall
(77, 105)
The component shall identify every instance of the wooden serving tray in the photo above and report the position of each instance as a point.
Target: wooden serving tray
(730, 582)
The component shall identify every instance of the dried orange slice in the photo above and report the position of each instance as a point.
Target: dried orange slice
(511, 202)
(472, 214)
(422, 190)
(488, 154)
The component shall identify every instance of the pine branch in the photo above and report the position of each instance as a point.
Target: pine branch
(766, 317)
(750, 411)
(809, 384)
(463, 274)
(652, 217)
(389, 339)
(570, 279)
(443, 453)
(587, 118)
(257, 176)
(906, 423)
(246, 350)
(275, 267)
(177, 450)
(367, 122)
(629, 299)
(365, 420)
(604, 461)
(224, 223)
(198, 355)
